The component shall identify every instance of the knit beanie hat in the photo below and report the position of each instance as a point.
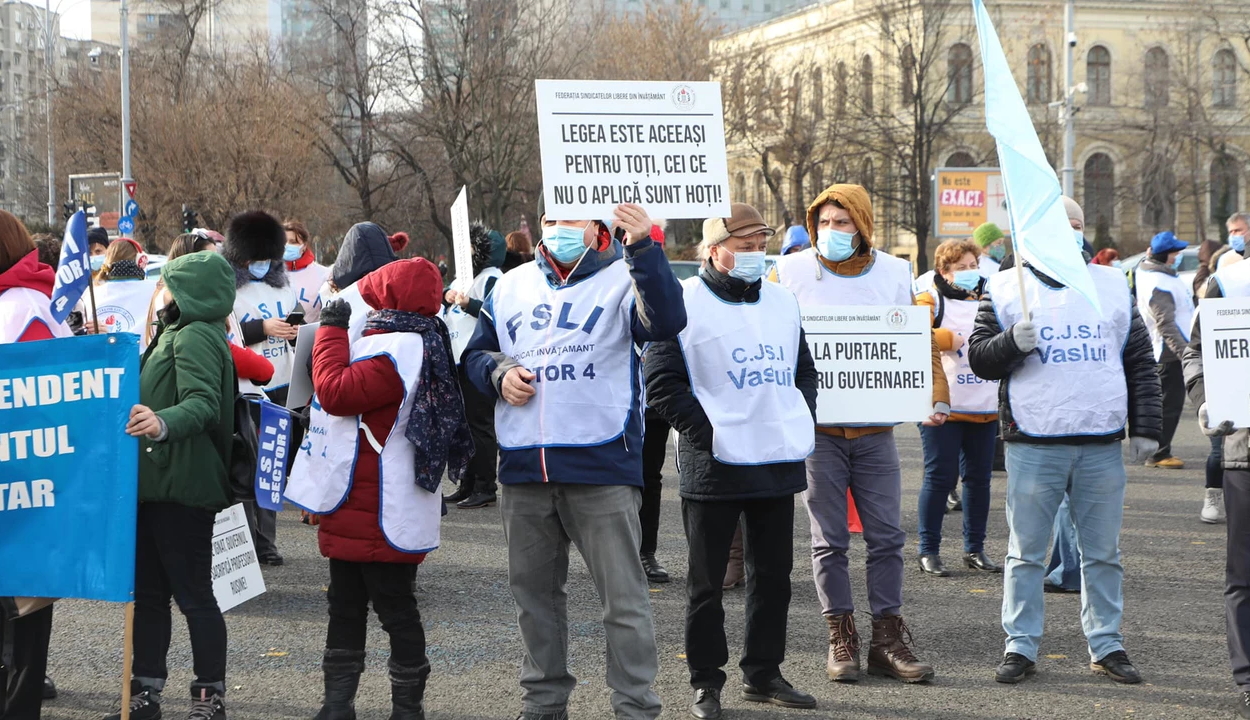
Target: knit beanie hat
(986, 234)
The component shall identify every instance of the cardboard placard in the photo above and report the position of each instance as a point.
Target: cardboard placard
(236, 570)
(1225, 351)
(463, 249)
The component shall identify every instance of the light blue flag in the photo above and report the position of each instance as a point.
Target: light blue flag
(1040, 232)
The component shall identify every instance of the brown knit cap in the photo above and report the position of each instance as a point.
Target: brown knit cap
(852, 197)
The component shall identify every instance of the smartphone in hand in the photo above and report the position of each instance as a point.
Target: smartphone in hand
(296, 317)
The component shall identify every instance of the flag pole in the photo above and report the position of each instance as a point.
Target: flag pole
(128, 642)
(1019, 264)
(95, 313)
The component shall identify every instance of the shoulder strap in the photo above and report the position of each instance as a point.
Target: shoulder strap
(940, 310)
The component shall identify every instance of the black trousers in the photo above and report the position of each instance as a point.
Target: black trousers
(769, 553)
(389, 587)
(654, 452)
(174, 558)
(479, 410)
(1237, 574)
(1172, 378)
(23, 663)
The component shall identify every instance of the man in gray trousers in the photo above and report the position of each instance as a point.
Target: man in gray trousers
(558, 344)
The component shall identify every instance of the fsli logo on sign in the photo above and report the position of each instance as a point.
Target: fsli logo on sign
(683, 97)
(896, 319)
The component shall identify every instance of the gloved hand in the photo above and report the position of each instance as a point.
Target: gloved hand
(1204, 422)
(336, 314)
(1023, 333)
(1140, 449)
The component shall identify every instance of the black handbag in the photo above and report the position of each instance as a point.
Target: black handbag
(246, 445)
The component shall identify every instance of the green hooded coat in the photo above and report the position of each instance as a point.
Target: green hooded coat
(187, 378)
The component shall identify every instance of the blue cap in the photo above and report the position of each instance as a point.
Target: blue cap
(796, 237)
(1166, 242)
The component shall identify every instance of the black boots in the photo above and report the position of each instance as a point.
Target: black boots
(408, 691)
(342, 669)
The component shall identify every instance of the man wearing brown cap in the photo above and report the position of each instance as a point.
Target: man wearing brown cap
(739, 384)
(843, 268)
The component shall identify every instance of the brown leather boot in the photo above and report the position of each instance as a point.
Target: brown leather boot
(843, 648)
(889, 654)
(735, 573)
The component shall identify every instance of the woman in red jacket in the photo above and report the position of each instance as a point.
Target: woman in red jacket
(387, 418)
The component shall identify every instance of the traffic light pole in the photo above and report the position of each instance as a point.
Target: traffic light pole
(1069, 98)
(127, 176)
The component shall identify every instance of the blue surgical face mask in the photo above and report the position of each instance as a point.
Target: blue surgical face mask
(292, 253)
(1237, 243)
(967, 279)
(259, 269)
(748, 266)
(835, 245)
(1080, 238)
(998, 252)
(566, 244)
(1176, 264)
(1116, 264)
(97, 262)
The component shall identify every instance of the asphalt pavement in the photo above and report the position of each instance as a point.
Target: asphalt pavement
(1173, 626)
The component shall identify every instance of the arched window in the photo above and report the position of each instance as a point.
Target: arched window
(867, 176)
(1156, 78)
(1039, 77)
(907, 67)
(840, 90)
(1099, 181)
(1225, 187)
(842, 176)
(1098, 75)
(740, 187)
(1158, 195)
(757, 195)
(961, 159)
(1224, 75)
(779, 203)
(818, 93)
(865, 83)
(959, 74)
(796, 93)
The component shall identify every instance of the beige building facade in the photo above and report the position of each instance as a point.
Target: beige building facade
(882, 92)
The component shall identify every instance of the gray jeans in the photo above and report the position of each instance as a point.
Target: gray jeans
(539, 521)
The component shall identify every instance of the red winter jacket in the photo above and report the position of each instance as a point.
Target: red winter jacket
(30, 273)
(374, 390)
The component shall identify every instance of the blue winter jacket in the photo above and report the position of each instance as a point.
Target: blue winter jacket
(659, 313)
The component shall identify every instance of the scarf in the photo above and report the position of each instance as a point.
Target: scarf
(125, 270)
(437, 427)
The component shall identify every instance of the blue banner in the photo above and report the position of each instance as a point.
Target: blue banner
(73, 272)
(272, 458)
(68, 470)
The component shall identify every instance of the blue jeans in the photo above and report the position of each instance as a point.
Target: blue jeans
(1064, 568)
(1094, 478)
(944, 448)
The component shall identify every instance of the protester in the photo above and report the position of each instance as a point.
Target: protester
(992, 242)
(1063, 570)
(305, 274)
(388, 420)
(1063, 423)
(1238, 231)
(964, 444)
(97, 244)
(570, 437)
(25, 316)
(520, 250)
(843, 268)
(1109, 257)
(796, 240)
(184, 422)
(1166, 305)
(254, 245)
(1231, 282)
(741, 453)
(122, 292)
(365, 248)
(477, 487)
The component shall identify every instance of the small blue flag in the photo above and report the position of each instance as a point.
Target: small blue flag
(1040, 231)
(273, 455)
(73, 272)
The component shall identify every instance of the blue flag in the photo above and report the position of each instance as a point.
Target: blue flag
(68, 470)
(73, 272)
(273, 456)
(1040, 232)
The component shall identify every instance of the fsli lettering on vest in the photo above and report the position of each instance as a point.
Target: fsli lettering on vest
(874, 364)
(1225, 352)
(657, 144)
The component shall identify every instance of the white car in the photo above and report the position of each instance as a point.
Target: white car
(1189, 263)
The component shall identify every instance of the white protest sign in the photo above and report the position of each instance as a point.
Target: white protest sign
(658, 144)
(874, 364)
(460, 241)
(1225, 352)
(236, 572)
(301, 389)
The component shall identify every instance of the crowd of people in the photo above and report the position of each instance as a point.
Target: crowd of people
(521, 388)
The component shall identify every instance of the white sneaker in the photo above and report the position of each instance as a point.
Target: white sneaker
(1213, 506)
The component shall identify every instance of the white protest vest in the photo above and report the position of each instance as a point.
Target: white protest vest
(1073, 383)
(970, 394)
(259, 300)
(321, 477)
(577, 340)
(987, 265)
(742, 360)
(1234, 280)
(306, 282)
(1182, 295)
(886, 282)
(460, 324)
(923, 283)
(360, 308)
(21, 307)
(121, 305)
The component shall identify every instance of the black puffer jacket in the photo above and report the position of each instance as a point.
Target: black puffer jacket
(993, 355)
(669, 394)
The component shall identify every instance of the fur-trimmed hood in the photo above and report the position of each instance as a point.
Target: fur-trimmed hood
(276, 277)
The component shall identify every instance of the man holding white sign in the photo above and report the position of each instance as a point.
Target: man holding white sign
(855, 440)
